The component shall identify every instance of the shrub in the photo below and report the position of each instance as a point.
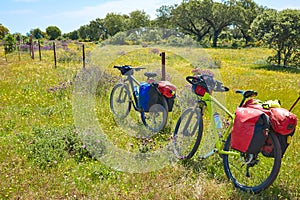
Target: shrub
(10, 44)
(118, 39)
(69, 56)
(50, 146)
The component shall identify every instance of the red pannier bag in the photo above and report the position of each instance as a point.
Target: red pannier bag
(282, 121)
(250, 130)
(168, 90)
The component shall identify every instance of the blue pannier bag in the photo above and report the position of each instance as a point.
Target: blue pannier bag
(148, 96)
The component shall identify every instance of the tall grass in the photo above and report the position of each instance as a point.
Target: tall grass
(36, 112)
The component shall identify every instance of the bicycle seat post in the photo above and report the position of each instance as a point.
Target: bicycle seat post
(150, 76)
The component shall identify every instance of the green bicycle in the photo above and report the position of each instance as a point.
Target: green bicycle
(249, 172)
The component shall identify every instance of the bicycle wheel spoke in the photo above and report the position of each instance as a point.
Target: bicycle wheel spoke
(156, 118)
(187, 134)
(120, 101)
(252, 173)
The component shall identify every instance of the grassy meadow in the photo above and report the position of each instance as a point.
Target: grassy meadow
(42, 157)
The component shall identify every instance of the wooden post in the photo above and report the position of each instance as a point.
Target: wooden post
(83, 56)
(19, 54)
(5, 52)
(54, 54)
(163, 66)
(40, 53)
(31, 48)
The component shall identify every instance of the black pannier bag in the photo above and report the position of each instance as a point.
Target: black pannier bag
(250, 130)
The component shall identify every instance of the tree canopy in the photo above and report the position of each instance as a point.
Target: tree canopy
(280, 30)
(188, 17)
(3, 31)
(53, 32)
(37, 33)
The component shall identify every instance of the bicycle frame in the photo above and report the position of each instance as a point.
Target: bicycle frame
(209, 100)
(132, 81)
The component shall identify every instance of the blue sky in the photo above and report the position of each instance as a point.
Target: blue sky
(23, 15)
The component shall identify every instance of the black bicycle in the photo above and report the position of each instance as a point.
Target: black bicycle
(126, 94)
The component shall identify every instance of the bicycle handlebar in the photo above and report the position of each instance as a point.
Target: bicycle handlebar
(128, 70)
(215, 85)
(129, 67)
(192, 80)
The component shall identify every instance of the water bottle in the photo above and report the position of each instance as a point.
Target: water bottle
(218, 122)
(136, 91)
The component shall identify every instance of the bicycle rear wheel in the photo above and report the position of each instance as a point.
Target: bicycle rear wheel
(157, 116)
(252, 172)
(188, 133)
(120, 103)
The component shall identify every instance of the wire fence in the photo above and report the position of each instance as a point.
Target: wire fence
(49, 51)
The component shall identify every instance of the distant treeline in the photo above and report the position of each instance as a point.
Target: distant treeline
(232, 23)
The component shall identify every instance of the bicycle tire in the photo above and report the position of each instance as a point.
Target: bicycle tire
(120, 101)
(186, 141)
(265, 176)
(150, 118)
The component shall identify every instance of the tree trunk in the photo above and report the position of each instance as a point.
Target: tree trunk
(248, 39)
(199, 37)
(215, 38)
(279, 57)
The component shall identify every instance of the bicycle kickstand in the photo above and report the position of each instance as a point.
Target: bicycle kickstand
(212, 152)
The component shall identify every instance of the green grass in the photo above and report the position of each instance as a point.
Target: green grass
(36, 119)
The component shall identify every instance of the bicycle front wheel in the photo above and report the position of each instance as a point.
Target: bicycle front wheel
(188, 133)
(120, 103)
(157, 117)
(253, 172)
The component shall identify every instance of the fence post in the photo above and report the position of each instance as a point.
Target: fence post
(31, 48)
(54, 54)
(83, 56)
(163, 66)
(19, 54)
(40, 53)
(5, 53)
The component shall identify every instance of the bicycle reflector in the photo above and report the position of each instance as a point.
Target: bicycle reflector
(199, 86)
(199, 90)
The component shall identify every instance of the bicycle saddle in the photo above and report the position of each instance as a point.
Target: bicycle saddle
(247, 93)
(150, 74)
